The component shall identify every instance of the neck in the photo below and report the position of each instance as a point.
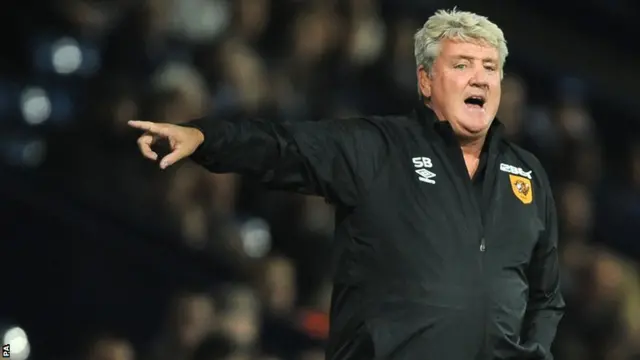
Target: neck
(472, 147)
(471, 153)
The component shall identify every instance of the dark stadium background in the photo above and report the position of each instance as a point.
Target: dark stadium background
(102, 253)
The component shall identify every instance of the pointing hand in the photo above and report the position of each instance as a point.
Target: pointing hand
(182, 140)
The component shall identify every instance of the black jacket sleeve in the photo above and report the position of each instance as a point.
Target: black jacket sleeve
(336, 159)
(546, 304)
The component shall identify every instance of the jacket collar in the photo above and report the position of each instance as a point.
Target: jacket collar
(431, 124)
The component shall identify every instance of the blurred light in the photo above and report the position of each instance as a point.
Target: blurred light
(19, 342)
(33, 153)
(24, 152)
(35, 105)
(200, 20)
(256, 237)
(66, 56)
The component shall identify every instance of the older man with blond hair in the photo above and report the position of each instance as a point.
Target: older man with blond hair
(446, 233)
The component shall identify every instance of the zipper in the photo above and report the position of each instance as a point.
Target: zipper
(479, 212)
(485, 317)
(479, 215)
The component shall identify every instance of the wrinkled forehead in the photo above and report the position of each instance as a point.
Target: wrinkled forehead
(472, 49)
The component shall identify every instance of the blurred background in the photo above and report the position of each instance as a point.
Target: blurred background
(107, 258)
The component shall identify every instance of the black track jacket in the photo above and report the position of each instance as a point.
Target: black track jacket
(428, 267)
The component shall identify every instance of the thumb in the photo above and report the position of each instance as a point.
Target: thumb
(172, 158)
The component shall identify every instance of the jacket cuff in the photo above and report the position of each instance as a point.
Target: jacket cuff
(201, 155)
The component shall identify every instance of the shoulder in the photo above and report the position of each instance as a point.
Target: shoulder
(399, 122)
(381, 122)
(394, 128)
(385, 130)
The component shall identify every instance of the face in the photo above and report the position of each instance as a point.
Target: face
(241, 320)
(464, 86)
(195, 316)
(280, 285)
(112, 349)
(254, 16)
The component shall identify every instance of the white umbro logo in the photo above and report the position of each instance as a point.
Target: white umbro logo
(426, 176)
(421, 164)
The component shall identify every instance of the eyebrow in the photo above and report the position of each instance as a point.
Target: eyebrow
(471, 58)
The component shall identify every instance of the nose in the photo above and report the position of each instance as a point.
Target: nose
(480, 77)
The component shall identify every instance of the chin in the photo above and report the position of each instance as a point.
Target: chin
(475, 127)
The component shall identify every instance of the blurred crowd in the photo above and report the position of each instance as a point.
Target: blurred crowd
(287, 60)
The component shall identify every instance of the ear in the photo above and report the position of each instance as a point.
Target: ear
(424, 82)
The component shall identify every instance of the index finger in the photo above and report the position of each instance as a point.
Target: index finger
(147, 126)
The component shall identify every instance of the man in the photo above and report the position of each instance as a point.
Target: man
(446, 234)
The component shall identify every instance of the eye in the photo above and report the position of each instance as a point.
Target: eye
(460, 66)
(490, 68)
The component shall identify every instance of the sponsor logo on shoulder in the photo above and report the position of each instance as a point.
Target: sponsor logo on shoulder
(514, 170)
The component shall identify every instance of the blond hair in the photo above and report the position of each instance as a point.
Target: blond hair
(456, 25)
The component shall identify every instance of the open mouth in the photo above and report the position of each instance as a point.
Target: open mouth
(475, 102)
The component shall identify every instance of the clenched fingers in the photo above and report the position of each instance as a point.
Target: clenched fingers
(144, 143)
(172, 158)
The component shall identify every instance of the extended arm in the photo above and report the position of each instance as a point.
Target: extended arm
(336, 159)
